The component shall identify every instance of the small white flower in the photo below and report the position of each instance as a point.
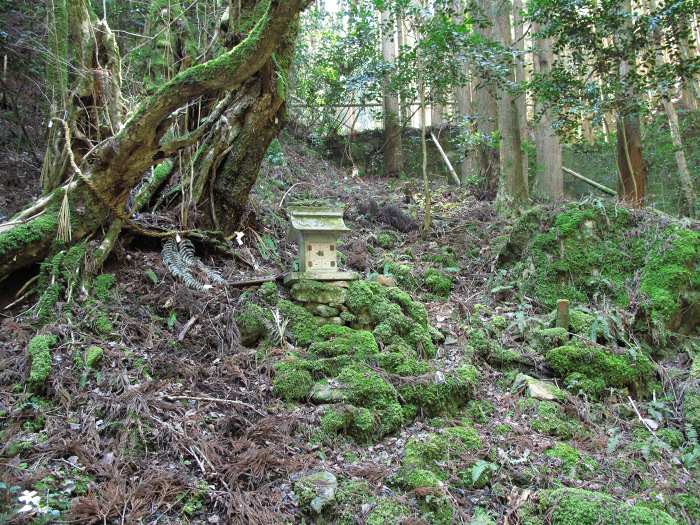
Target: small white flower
(239, 238)
(30, 497)
(26, 508)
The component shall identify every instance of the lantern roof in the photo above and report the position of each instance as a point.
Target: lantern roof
(326, 219)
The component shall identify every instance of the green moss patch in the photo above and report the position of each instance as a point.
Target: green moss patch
(590, 254)
(39, 351)
(592, 369)
(438, 282)
(375, 374)
(569, 506)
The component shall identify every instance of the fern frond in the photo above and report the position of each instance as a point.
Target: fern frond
(180, 260)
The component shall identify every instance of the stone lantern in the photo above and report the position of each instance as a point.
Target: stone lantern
(317, 230)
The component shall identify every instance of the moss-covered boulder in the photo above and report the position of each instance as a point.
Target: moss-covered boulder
(392, 314)
(438, 282)
(570, 506)
(592, 369)
(588, 254)
(252, 321)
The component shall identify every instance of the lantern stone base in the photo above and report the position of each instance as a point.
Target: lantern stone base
(294, 277)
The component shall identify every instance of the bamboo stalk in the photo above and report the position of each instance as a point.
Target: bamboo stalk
(593, 183)
(453, 173)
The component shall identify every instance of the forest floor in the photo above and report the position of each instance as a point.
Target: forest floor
(178, 423)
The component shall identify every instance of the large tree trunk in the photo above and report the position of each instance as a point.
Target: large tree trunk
(118, 163)
(486, 108)
(512, 188)
(550, 180)
(393, 154)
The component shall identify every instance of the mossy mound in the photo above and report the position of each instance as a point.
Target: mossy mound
(375, 374)
(592, 369)
(547, 417)
(39, 352)
(423, 468)
(253, 323)
(438, 282)
(593, 253)
(569, 506)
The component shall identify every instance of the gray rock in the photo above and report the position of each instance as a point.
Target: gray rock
(328, 392)
(322, 310)
(317, 490)
(537, 388)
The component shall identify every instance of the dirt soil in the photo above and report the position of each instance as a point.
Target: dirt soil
(179, 423)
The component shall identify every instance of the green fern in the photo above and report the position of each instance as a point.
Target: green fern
(182, 262)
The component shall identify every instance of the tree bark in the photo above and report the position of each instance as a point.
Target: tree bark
(521, 75)
(630, 158)
(486, 108)
(513, 188)
(689, 198)
(88, 94)
(393, 148)
(631, 187)
(550, 179)
(116, 165)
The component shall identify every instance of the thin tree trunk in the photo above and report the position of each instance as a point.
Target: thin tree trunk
(630, 158)
(393, 155)
(550, 180)
(463, 104)
(689, 198)
(521, 75)
(630, 161)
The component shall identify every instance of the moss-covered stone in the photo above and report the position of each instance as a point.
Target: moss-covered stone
(592, 369)
(395, 316)
(341, 340)
(570, 506)
(318, 292)
(388, 511)
(93, 356)
(292, 382)
(572, 460)
(39, 351)
(269, 293)
(447, 394)
(548, 338)
(438, 282)
(302, 325)
(549, 418)
(403, 274)
(591, 254)
(251, 322)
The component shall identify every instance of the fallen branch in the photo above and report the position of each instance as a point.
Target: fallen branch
(186, 328)
(593, 183)
(214, 400)
(254, 281)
